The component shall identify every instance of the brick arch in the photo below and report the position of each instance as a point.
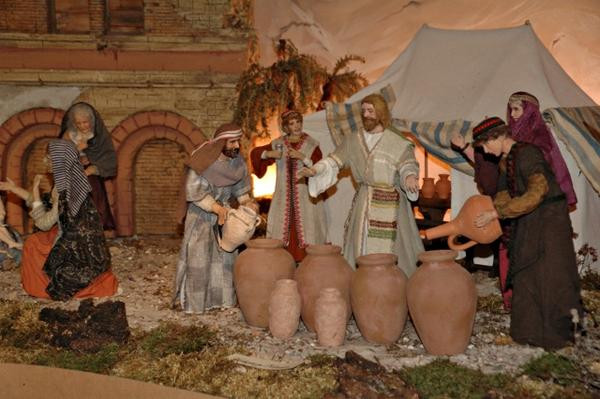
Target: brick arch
(17, 134)
(129, 137)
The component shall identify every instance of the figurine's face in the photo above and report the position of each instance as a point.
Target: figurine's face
(369, 116)
(493, 146)
(82, 122)
(516, 109)
(294, 127)
(232, 148)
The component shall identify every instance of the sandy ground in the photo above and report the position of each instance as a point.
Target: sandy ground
(146, 268)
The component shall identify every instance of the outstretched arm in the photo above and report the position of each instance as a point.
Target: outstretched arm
(10, 186)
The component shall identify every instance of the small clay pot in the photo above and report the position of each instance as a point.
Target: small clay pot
(428, 188)
(284, 309)
(443, 186)
(331, 317)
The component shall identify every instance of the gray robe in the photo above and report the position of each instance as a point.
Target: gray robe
(204, 277)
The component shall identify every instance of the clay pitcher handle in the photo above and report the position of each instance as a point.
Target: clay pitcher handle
(459, 247)
(258, 220)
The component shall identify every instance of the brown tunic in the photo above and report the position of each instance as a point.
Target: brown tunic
(543, 269)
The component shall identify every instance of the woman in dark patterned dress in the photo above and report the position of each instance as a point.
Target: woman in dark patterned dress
(546, 298)
(69, 257)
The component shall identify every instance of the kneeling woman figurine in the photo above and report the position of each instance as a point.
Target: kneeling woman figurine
(543, 271)
(69, 257)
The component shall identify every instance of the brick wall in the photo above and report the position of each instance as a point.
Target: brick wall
(29, 16)
(207, 108)
(173, 17)
(158, 173)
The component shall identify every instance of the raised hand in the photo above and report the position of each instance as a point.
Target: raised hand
(275, 154)
(8, 185)
(458, 140)
(412, 183)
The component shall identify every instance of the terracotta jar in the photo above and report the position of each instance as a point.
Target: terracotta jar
(442, 300)
(239, 226)
(463, 224)
(331, 316)
(428, 188)
(284, 309)
(255, 272)
(443, 186)
(378, 297)
(323, 267)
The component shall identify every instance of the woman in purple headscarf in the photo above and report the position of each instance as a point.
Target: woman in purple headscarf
(527, 125)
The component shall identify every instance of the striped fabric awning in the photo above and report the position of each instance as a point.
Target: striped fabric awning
(579, 129)
(435, 137)
(343, 119)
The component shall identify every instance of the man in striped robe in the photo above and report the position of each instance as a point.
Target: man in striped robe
(384, 166)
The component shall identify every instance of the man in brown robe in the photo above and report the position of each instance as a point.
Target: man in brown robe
(546, 298)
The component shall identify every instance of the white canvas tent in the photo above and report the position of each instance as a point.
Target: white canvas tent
(445, 75)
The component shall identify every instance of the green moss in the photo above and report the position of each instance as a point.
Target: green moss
(551, 366)
(20, 326)
(321, 359)
(442, 378)
(171, 338)
(99, 362)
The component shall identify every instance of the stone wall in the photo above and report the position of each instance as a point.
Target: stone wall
(161, 83)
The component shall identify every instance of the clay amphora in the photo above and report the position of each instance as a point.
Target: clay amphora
(443, 186)
(255, 272)
(428, 188)
(284, 309)
(331, 317)
(442, 300)
(378, 297)
(463, 224)
(239, 227)
(323, 267)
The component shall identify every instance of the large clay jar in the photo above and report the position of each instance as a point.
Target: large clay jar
(464, 224)
(378, 297)
(443, 186)
(442, 300)
(284, 309)
(255, 272)
(323, 267)
(428, 188)
(331, 317)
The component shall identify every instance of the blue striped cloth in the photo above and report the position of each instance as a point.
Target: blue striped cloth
(579, 129)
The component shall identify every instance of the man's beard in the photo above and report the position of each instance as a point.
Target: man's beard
(231, 153)
(370, 123)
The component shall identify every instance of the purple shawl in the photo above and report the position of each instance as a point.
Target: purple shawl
(530, 128)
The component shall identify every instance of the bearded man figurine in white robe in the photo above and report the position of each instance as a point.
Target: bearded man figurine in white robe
(384, 166)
